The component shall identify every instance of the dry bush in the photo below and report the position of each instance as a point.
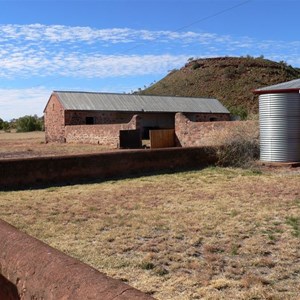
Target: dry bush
(239, 145)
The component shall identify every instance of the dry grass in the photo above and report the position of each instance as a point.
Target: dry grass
(240, 145)
(32, 144)
(212, 234)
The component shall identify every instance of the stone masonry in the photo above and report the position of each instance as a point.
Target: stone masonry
(101, 134)
(54, 121)
(103, 127)
(194, 134)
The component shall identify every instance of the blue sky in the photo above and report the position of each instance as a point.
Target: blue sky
(122, 45)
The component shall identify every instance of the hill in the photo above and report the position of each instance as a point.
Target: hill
(229, 79)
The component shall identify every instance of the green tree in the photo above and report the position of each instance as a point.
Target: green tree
(6, 126)
(29, 123)
(1, 124)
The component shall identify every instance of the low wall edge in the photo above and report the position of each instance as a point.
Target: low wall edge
(39, 271)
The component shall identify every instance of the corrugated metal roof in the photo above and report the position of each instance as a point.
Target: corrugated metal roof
(137, 103)
(284, 86)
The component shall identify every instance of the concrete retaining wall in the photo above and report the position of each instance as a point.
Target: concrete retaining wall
(17, 173)
(30, 269)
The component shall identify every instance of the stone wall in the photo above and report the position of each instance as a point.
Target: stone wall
(103, 128)
(156, 121)
(30, 269)
(41, 171)
(104, 134)
(198, 134)
(201, 117)
(113, 120)
(79, 117)
(54, 121)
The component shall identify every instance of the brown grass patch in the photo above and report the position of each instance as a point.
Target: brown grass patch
(32, 144)
(213, 234)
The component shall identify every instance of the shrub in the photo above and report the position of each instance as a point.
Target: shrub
(5, 126)
(240, 148)
(229, 72)
(241, 69)
(147, 265)
(28, 123)
(196, 65)
(239, 111)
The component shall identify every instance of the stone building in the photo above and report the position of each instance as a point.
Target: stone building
(85, 117)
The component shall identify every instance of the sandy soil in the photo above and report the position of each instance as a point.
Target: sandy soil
(32, 144)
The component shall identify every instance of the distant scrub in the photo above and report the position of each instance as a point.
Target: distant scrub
(4, 125)
(29, 123)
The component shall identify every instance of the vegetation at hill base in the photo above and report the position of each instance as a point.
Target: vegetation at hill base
(228, 79)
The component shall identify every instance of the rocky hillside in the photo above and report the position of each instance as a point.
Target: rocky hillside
(229, 79)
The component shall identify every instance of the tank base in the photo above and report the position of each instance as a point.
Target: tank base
(279, 164)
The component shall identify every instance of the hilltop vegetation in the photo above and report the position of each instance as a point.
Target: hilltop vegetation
(229, 79)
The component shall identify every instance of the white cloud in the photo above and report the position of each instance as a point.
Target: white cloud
(27, 63)
(42, 50)
(115, 66)
(39, 51)
(57, 34)
(61, 33)
(16, 103)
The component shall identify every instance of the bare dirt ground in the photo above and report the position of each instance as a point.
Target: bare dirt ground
(32, 144)
(217, 233)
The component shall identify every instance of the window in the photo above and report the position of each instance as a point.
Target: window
(89, 120)
(213, 119)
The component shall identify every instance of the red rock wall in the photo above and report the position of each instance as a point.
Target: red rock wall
(105, 134)
(201, 117)
(19, 173)
(79, 117)
(71, 127)
(106, 127)
(198, 134)
(54, 121)
(31, 269)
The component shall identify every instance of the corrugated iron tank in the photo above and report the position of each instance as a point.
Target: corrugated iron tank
(279, 115)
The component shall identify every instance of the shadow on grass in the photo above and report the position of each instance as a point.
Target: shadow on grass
(54, 185)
